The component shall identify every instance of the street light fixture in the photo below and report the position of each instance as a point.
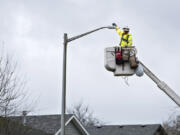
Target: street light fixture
(66, 40)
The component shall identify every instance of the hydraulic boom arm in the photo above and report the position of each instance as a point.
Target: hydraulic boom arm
(162, 85)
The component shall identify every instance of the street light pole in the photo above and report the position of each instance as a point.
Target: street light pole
(66, 40)
(63, 109)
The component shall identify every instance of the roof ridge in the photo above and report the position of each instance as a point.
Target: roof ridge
(51, 115)
(43, 115)
(126, 125)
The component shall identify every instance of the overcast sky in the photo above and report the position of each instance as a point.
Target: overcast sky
(32, 31)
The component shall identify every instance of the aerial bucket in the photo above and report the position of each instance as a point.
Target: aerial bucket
(119, 69)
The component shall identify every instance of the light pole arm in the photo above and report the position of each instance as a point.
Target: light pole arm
(84, 34)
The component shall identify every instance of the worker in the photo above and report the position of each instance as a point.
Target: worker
(126, 38)
(126, 41)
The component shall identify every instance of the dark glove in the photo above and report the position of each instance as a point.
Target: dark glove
(113, 24)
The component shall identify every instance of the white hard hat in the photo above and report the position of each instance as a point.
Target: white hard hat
(126, 28)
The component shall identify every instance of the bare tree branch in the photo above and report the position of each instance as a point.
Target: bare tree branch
(84, 114)
(172, 125)
(12, 86)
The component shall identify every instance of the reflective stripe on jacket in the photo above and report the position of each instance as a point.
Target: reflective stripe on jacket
(126, 39)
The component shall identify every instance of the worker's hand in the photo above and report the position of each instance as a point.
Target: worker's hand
(113, 24)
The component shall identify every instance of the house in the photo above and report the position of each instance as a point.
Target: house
(9, 127)
(51, 124)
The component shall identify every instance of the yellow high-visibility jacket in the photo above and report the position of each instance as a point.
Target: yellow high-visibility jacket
(126, 39)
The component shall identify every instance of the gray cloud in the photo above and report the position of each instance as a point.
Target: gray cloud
(33, 30)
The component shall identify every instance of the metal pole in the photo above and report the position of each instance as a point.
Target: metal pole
(63, 109)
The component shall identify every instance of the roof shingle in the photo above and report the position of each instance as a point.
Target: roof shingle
(47, 123)
(124, 130)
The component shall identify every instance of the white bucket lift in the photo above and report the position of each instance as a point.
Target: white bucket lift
(119, 70)
(125, 70)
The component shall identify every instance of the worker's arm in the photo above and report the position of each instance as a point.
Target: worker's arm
(118, 31)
